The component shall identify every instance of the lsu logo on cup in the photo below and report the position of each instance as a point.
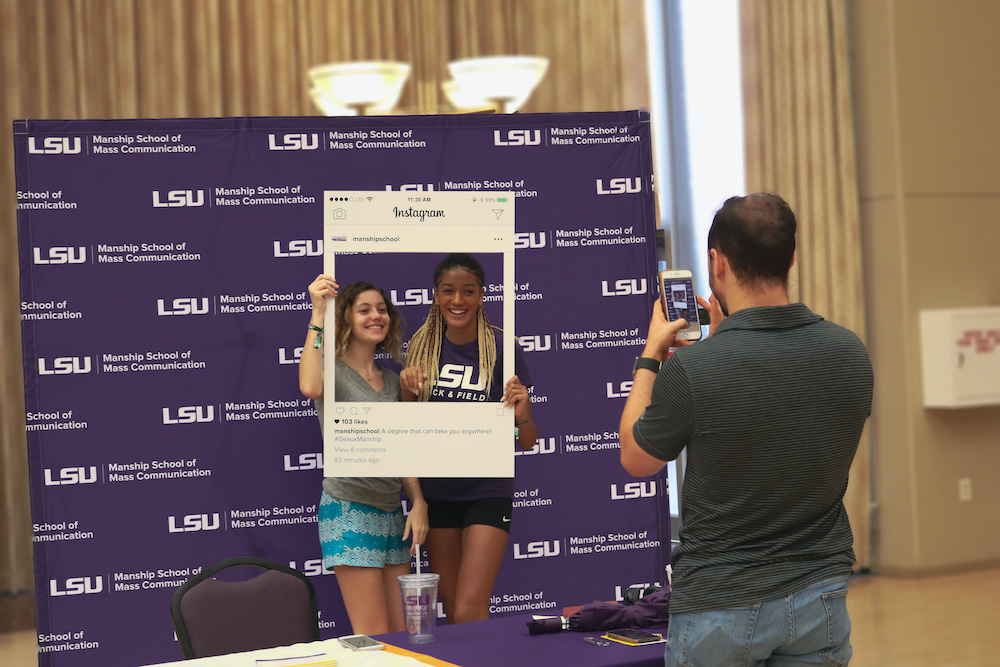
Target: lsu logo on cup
(190, 414)
(55, 146)
(307, 461)
(541, 446)
(64, 366)
(182, 306)
(417, 600)
(542, 549)
(193, 523)
(76, 586)
(61, 255)
(624, 287)
(619, 186)
(526, 240)
(68, 476)
(299, 248)
(517, 137)
(292, 142)
(633, 490)
(178, 198)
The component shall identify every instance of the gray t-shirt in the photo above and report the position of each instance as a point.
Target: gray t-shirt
(380, 492)
(770, 408)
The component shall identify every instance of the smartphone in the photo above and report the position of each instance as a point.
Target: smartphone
(677, 297)
(633, 636)
(361, 643)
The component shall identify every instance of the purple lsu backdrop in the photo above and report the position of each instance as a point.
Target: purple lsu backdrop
(164, 266)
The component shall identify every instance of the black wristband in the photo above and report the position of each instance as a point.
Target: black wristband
(648, 363)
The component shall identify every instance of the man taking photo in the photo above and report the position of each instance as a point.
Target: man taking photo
(771, 408)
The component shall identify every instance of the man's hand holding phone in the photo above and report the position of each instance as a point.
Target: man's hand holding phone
(662, 334)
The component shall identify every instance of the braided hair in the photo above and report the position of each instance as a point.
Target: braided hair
(425, 346)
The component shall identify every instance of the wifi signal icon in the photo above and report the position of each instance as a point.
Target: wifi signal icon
(369, 199)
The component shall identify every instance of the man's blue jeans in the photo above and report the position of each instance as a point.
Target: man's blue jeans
(810, 627)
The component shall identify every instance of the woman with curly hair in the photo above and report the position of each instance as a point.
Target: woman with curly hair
(361, 524)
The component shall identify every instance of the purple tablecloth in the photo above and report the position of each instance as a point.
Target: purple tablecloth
(503, 642)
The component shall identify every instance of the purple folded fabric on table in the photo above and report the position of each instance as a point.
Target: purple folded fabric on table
(649, 611)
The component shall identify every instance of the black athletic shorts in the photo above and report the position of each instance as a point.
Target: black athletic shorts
(464, 513)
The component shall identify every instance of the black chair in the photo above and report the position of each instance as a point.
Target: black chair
(274, 608)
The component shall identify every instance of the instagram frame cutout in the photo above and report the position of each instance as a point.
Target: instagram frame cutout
(417, 439)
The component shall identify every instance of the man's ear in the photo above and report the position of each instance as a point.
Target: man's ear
(717, 263)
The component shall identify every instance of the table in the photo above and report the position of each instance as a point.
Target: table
(331, 647)
(498, 642)
(505, 641)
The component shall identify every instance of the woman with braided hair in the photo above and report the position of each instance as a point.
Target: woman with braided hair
(457, 356)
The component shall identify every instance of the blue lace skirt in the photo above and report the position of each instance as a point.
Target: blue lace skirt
(360, 535)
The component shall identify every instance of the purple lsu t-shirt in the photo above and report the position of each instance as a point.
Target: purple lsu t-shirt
(458, 380)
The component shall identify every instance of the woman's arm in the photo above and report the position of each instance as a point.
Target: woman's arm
(516, 396)
(416, 521)
(311, 361)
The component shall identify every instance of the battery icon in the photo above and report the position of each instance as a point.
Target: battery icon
(501, 199)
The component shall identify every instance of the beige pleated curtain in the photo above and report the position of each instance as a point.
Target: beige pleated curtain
(205, 58)
(799, 129)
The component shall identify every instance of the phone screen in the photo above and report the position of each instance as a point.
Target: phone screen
(635, 636)
(681, 303)
(360, 642)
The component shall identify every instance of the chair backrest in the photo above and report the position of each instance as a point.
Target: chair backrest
(274, 608)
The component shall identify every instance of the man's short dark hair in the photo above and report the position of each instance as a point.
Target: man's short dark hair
(756, 233)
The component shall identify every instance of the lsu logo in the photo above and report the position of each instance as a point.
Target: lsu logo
(620, 592)
(544, 549)
(76, 586)
(293, 142)
(412, 297)
(624, 287)
(55, 146)
(283, 357)
(455, 376)
(68, 476)
(536, 343)
(62, 255)
(417, 600)
(619, 186)
(413, 187)
(185, 306)
(64, 366)
(311, 568)
(517, 137)
(634, 490)
(529, 240)
(190, 414)
(623, 389)
(299, 248)
(309, 461)
(541, 446)
(179, 198)
(194, 522)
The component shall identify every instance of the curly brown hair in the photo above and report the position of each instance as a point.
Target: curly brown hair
(346, 296)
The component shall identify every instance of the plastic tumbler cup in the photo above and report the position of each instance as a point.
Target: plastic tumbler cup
(419, 593)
